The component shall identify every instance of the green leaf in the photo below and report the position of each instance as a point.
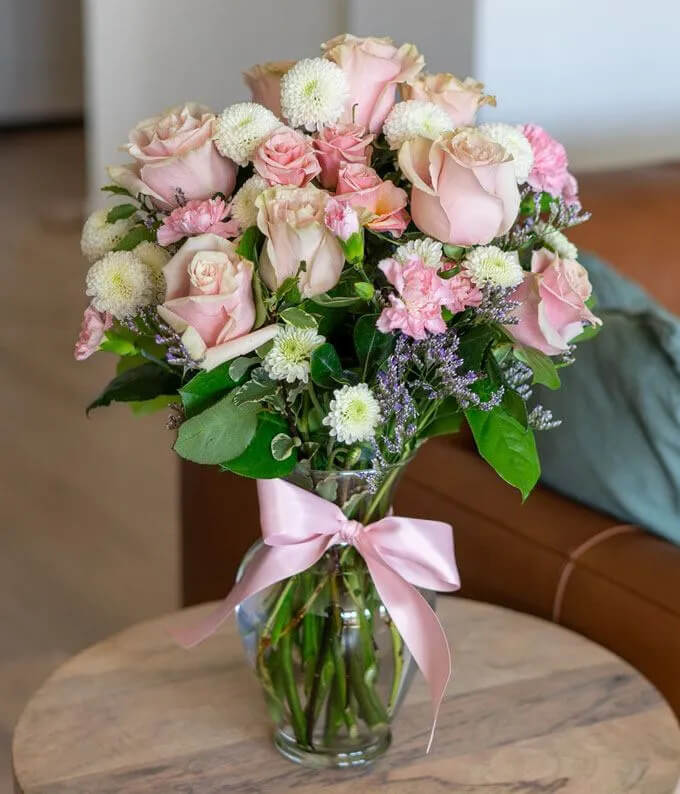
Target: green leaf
(282, 446)
(506, 446)
(134, 237)
(353, 247)
(119, 341)
(254, 392)
(139, 383)
(159, 403)
(298, 317)
(205, 388)
(364, 290)
(325, 366)
(247, 246)
(515, 406)
(341, 301)
(372, 346)
(447, 419)
(289, 290)
(120, 212)
(258, 296)
(238, 367)
(220, 433)
(116, 190)
(453, 251)
(589, 332)
(543, 367)
(257, 459)
(474, 344)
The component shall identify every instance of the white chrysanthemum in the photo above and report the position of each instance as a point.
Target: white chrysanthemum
(429, 250)
(99, 237)
(559, 242)
(313, 93)
(488, 264)
(243, 208)
(155, 258)
(515, 142)
(354, 414)
(289, 357)
(120, 283)
(240, 128)
(413, 118)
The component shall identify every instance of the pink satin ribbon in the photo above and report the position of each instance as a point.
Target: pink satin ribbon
(298, 527)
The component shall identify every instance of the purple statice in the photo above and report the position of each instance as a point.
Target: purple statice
(541, 418)
(148, 322)
(518, 376)
(498, 305)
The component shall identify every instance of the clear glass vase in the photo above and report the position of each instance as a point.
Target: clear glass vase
(333, 666)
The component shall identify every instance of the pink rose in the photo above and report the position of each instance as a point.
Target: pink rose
(552, 300)
(549, 171)
(417, 310)
(384, 203)
(286, 157)
(292, 219)
(197, 217)
(339, 144)
(264, 82)
(460, 99)
(464, 187)
(92, 330)
(374, 67)
(341, 219)
(175, 158)
(209, 301)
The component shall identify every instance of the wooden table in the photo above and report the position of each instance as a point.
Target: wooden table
(532, 707)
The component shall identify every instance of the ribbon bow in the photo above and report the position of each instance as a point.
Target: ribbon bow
(298, 527)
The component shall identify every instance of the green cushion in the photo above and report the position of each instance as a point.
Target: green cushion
(618, 448)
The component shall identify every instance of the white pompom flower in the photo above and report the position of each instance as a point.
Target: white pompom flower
(556, 240)
(489, 265)
(243, 209)
(354, 414)
(155, 258)
(427, 249)
(415, 118)
(120, 283)
(515, 143)
(240, 128)
(289, 356)
(100, 237)
(313, 93)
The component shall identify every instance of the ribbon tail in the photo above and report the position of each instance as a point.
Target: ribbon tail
(270, 565)
(418, 625)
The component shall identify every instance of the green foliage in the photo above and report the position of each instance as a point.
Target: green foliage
(238, 367)
(247, 247)
(474, 345)
(134, 237)
(589, 332)
(543, 367)
(120, 212)
(446, 420)
(160, 403)
(205, 388)
(353, 247)
(140, 383)
(259, 459)
(453, 251)
(336, 302)
(116, 190)
(120, 341)
(298, 317)
(219, 433)
(371, 345)
(325, 366)
(364, 290)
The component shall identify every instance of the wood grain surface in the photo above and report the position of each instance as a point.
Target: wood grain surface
(531, 707)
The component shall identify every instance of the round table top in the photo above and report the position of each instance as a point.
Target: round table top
(530, 707)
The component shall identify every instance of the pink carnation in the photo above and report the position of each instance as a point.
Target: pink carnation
(549, 171)
(417, 309)
(94, 325)
(341, 219)
(197, 217)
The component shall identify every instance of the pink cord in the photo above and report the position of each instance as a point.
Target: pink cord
(575, 554)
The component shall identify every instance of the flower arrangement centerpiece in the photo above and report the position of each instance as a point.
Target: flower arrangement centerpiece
(315, 283)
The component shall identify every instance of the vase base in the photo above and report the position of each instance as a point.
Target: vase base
(335, 758)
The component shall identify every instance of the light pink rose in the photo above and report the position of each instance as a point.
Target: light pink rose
(341, 219)
(374, 68)
(286, 157)
(175, 159)
(264, 82)
(197, 217)
(552, 300)
(339, 144)
(549, 171)
(209, 301)
(92, 330)
(459, 98)
(383, 203)
(464, 187)
(417, 309)
(292, 219)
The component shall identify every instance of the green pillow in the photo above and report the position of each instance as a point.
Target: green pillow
(618, 448)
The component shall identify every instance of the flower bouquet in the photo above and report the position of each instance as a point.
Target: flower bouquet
(314, 284)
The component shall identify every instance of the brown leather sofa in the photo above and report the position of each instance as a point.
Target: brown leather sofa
(619, 585)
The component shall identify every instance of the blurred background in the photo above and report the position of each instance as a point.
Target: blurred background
(89, 521)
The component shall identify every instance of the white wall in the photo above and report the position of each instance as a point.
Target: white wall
(603, 76)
